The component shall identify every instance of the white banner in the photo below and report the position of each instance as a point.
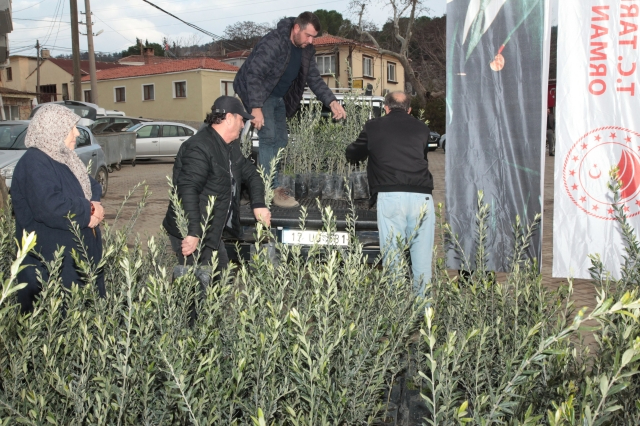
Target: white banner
(597, 128)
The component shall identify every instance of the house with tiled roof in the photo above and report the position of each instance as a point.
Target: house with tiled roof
(17, 104)
(345, 63)
(56, 76)
(178, 89)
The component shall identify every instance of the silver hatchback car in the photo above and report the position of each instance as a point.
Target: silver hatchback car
(12, 134)
(160, 138)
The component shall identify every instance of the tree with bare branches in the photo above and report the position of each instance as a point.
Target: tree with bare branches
(401, 9)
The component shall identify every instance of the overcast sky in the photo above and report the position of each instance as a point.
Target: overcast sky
(123, 20)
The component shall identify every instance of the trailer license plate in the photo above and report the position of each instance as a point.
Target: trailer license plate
(293, 236)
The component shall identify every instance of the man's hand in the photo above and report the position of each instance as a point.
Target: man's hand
(337, 110)
(258, 120)
(189, 245)
(263, 214)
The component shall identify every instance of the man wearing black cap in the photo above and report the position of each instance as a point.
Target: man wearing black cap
(210, 163)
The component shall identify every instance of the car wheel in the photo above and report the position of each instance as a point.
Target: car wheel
(103, 179)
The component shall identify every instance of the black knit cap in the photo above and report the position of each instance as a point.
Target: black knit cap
(229, 104)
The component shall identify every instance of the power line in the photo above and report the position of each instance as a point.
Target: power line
(195, 27)
(28, 7)
(94, 15)
(55, 19)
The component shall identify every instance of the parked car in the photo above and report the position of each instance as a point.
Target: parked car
(443, 142)
(87, 111)
(115, 123)
(434, 140)
(12, 147)
(160, 138)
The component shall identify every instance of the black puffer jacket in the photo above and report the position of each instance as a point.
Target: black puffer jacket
(262, 70)
(202, 168)
(397, 146)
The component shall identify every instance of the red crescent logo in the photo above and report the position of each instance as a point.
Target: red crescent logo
(587, 166)
(629, 174)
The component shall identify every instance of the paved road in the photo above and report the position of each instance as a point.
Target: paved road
(154, 172)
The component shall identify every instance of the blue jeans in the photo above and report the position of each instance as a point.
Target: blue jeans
(398, 214)
(274, 134)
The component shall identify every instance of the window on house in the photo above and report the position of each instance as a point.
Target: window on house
(391, 72)
(12, 112)
(367, 66)
(226, 88)
(87, 95)
(179, 89)
(148, 92)
(9, 74)
(48, 93)
(120, 94)
(65, 91)
(326, 64)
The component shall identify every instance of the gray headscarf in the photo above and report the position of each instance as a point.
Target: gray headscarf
(50, 125)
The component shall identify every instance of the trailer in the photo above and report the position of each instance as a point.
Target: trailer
(118, 147)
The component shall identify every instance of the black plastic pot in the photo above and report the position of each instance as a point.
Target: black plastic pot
(359, 185)
(340, 191)
(288, 182)
(302, 186)
(315, 185)
(328, 187)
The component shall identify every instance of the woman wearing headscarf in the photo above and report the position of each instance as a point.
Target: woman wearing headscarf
(50, 184)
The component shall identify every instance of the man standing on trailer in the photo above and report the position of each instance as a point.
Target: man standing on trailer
(271, 82)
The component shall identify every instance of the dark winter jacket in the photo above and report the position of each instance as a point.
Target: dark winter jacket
(262, 70)
(203, 168)
(44, 192)
(397, 146)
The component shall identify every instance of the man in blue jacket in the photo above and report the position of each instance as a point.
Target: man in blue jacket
(272, 80)
(398, 173)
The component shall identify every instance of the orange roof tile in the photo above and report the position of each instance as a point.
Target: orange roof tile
(163, 68)
(329, 40)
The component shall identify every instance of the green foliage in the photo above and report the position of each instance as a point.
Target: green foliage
(434, 111)
(316, 337)
(317, 143)
(330, 20)
(313, 339)
(509, 352)
(158, 49)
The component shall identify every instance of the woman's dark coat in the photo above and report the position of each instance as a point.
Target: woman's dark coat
(44, 192)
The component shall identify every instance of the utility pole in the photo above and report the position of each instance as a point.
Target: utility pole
(38, 69)
(75, 44)
(92, 57)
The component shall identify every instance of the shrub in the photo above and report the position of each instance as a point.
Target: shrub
(314, 340)
(510, 352)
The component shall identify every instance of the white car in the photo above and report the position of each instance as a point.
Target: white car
(12, 148)
(160, 138)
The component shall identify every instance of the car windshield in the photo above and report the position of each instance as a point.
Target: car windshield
(134, 127)
(12, 136)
